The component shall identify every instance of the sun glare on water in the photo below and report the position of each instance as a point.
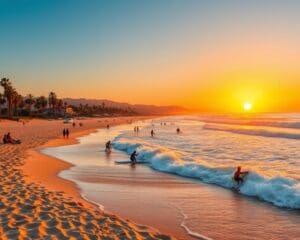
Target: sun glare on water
(247, 106)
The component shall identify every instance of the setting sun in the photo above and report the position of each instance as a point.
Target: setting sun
(247, 106)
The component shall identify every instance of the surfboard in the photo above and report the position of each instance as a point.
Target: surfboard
(128, 162)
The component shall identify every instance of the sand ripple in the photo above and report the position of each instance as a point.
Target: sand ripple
(30, 211)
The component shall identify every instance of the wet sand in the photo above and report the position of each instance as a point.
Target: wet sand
(36, 204)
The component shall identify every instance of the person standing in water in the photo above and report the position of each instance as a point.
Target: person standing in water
(178, 130)
(133, 156)
(152, 133)
(108, 146)
(238, 175)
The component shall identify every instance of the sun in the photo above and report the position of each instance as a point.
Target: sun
(247, 106)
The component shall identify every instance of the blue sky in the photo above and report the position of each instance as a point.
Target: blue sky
(45, 43)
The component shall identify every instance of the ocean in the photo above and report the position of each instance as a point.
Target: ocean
(187, 176)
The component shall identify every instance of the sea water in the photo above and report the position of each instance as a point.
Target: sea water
(210, 148)
(186, 183)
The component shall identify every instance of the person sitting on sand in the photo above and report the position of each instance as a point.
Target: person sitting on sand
(4, 139)
(133, 156)
(108, 146)
(9, 139)
(238, 175)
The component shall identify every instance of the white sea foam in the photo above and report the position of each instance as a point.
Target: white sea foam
(280, 191)
(253, 132)
(280, 121)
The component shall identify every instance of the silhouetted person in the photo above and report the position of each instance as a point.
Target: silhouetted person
(133, 156)
(67, 132)
(4, 139)
(9, 139)
(107, 126)
(74, 124)
(238, 175)
(108, 146)
(64, 133)
(152, 133)
(178, 130)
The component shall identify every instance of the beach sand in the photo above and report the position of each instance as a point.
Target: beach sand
(36, 204)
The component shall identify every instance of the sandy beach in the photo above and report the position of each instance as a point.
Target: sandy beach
(36, 204)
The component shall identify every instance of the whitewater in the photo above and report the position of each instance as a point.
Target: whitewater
(208, 149)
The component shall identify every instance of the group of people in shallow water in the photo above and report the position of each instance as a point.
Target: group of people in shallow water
(238, 175)
(7, 139)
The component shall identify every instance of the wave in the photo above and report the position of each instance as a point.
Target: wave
(267, 123)
(280, 191)
(252, 132)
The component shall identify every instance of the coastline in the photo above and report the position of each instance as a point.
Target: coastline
(53, 206)
(48, 177)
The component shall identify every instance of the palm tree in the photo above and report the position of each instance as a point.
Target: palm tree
(9, 93)
(52, 101)
(29, 101)
(59, 105)
(17, 99)
(2, 102)
(41, 103)
(65, 107)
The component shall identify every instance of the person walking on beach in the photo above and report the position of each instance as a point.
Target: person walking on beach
(67, 132)
(238, 175)
(133, 157)
(64, 133)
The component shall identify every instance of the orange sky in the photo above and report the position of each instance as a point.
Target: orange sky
(202, 55)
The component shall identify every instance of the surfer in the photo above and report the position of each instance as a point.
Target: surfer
(152, 133)
(239, 175)
(133, 156)
(108, 146)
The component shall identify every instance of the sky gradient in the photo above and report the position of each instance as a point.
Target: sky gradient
(209, 55)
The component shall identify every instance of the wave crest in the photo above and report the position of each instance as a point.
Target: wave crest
(252, 132)
(280, 191)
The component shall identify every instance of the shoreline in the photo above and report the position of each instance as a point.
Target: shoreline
(50, 178)
(48, 205)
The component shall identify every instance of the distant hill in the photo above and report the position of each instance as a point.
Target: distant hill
(139, 108)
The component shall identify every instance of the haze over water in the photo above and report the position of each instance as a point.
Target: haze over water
(203, 156)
